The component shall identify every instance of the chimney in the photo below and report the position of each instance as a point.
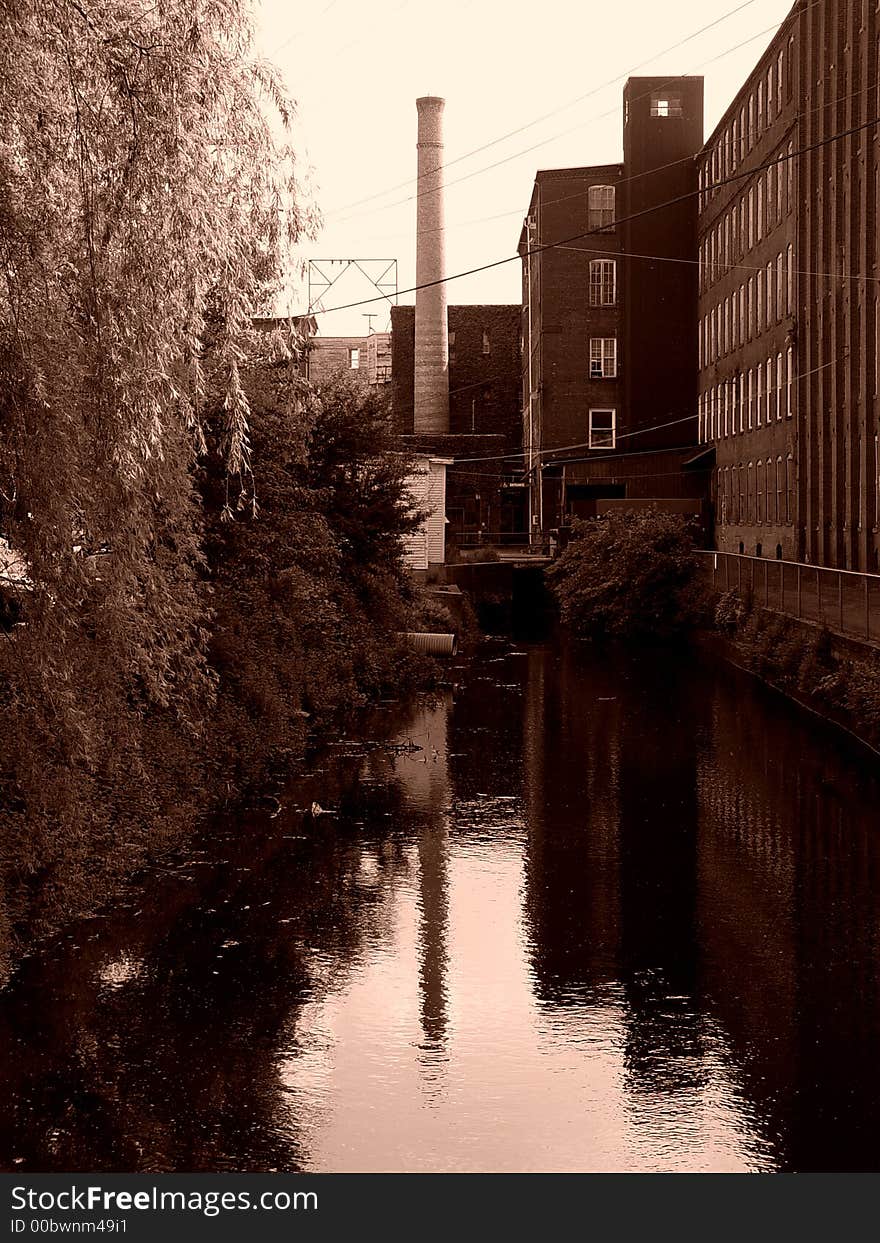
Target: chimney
(431, 404)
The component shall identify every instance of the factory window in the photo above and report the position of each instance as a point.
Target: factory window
(790, 178)
(354, 359)
(750, 309)
(779, 186)
(759, 395)
(789, 488)
(751, 121)
(603, 282)
(780, 60)
(751, 216)
(779, 386)
(602, 429)
(664, 104)
(741, 396)
(601, 207)
(769, 272)
(780, 286)
(742, 314)
(790, 280)
(771, 197)
(769, 93)
(789, 382)
(603, 358)
(759, 491)
(760, 106)
(751, 397)
(741, 507)
(487, 349)
(770, 393)
(742, 132)
(759, 210)
(750, 493)
(452, 348)
(780, 489)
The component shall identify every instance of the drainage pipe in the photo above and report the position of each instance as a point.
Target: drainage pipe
(431, 644)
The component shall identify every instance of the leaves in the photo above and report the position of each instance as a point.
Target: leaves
(630, 574)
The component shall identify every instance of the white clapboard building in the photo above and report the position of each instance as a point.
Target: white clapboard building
(427, 485)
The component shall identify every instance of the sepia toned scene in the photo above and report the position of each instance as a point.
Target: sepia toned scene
(439, 587)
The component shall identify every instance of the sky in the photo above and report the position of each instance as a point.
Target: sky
(527, 86)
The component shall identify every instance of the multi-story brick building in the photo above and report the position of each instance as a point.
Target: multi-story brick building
(485, 369)
(788, 307)
(609, 306)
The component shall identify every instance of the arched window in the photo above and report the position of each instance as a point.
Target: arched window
(750, 493)
(759, 492)
(789, 488)
(780, 490)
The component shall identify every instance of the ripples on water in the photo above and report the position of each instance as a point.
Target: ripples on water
(610, 915)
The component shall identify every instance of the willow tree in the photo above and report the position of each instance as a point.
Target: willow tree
(143, 193)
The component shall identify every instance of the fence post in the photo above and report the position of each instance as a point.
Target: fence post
(766, 584)
(782, 586)
(819, 595)
(867, 583)
(799, 589)
(840, 598)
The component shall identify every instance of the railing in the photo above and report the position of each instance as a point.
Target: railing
(486, 539)
(842, 600)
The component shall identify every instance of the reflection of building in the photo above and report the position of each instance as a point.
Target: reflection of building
(609, 317)
(789, 308)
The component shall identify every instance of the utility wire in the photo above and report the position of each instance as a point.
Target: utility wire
(544, 142)
(644, 431)
(622, 181)
(566, 241)
(545, 116)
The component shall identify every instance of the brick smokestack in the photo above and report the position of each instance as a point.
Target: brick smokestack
(431, 405)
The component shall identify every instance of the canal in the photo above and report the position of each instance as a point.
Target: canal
(575, 912)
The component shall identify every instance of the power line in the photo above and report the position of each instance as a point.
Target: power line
(546, 116)
(563, 242)
(686, 159)
(642, 431)
(580, 125)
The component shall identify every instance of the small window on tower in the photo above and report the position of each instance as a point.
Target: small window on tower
(354, 359)
(486, 347)
(664, 104)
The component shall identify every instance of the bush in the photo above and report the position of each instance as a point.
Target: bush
(629, 575)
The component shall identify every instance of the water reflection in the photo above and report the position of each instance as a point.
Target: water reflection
(579, 913)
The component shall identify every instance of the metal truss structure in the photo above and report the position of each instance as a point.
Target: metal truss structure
(323, 276)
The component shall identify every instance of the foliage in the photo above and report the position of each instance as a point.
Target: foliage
(309, 593)
(141, 192)
(839, 679)
(629, 575)
(144, 207)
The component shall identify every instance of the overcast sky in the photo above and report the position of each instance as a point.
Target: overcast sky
(527, 86)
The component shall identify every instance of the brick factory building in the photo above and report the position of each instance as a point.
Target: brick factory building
(788, 309)
(484, 376)
(609, 319)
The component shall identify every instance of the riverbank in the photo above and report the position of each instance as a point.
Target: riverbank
(837, 678)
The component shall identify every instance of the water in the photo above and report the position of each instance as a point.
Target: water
(614, 914)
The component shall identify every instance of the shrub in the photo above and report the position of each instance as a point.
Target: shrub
(630, 575)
